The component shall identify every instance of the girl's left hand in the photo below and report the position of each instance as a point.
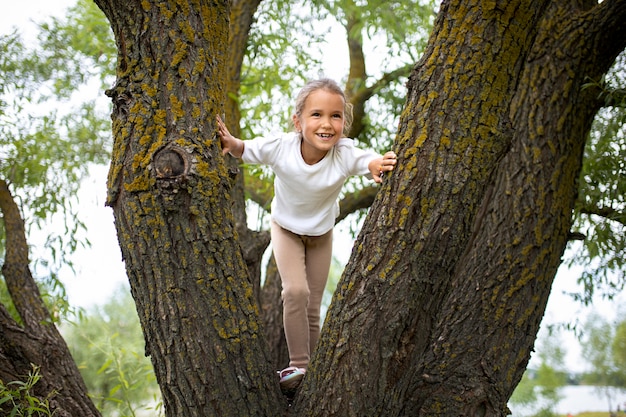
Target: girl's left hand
(379, 166)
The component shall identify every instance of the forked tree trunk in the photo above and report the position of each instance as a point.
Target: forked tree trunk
(439, 307)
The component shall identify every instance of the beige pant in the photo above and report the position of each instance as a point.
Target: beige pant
(303, 263)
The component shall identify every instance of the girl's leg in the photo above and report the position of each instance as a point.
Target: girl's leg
(289, 253)
(319, 250)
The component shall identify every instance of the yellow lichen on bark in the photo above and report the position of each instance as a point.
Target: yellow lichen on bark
(176, 107)
(140, 183)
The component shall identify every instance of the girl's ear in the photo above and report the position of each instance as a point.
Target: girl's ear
(296, 123)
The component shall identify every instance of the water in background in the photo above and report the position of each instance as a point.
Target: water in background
(579, 398)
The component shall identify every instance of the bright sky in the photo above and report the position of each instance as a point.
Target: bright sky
(22, 13)
(100, 270)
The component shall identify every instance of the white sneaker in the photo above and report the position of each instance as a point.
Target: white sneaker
(291, 377)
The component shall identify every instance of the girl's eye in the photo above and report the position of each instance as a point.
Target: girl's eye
(337, 116)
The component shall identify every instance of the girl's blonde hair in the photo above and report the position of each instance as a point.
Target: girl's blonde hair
(331, 86)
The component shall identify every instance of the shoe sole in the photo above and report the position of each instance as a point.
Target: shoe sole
(292, 383)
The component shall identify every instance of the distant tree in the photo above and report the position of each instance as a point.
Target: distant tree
(602, 347)
(618, 347)
(108, 346)
(539, 390)
(551, 375)
(596, 342)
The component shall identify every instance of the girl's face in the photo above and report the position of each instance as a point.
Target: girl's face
(321, 124)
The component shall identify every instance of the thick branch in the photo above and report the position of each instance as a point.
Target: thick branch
(387, 78)
(356, 89)
(260, 191)
(241, 19)
(360, 96)
(608, 213)
(39, 341)
(357, 200)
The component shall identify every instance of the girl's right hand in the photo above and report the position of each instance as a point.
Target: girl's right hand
(230, 144)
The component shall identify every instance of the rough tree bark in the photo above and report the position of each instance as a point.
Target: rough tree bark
(439, 307)
(170, 193)
(35, 340)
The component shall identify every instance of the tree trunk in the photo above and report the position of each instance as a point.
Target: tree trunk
(35, 340)
(439, 307)
(170, 192)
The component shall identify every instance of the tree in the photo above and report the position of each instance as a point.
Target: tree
(618, 347)
(602, 345)
(539, 388)
(42, 159)
(438, 309)
(107, 345)
(484, 203)
(96, 47)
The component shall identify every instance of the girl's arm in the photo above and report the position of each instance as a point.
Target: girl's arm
(378, 166)
(230, 144)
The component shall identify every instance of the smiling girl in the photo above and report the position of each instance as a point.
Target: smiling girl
(310, 167)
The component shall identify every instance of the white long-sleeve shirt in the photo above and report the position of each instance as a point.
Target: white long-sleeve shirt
(305, 196)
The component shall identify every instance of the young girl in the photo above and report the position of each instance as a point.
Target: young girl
(310, 167)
